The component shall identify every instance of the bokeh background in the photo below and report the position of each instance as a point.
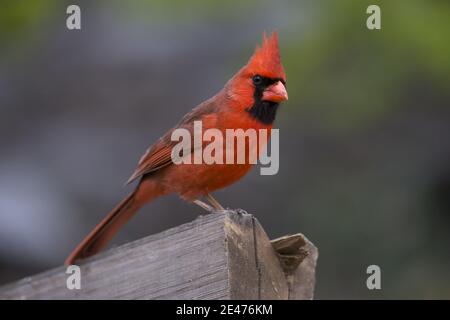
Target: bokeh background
(365, 135)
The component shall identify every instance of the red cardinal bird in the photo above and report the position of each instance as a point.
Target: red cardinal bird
(249, 100)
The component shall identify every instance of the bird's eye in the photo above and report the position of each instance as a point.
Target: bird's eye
(257, 80)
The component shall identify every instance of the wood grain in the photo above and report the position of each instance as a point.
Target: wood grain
(218, 256)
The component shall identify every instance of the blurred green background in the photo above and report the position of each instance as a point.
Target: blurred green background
(365, 135)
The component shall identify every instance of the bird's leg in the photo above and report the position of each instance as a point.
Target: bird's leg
(214, 202)
(203, 205)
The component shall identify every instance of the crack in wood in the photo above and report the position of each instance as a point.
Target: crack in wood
(257, 264)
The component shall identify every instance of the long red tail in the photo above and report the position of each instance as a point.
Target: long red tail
(99, 237)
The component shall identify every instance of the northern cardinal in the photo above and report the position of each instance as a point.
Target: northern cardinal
(250, 99)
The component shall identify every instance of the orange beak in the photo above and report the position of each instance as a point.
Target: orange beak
(275, 93)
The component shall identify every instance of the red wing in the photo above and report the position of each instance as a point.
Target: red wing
(157, 157)
(160, 154)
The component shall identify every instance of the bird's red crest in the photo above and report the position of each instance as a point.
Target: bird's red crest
(266, 59)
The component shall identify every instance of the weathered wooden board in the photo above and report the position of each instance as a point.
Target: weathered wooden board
(298, 257)
(217, 256)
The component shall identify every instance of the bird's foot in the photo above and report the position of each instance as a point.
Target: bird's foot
(204, 206)
(214, 203)
(216, 207)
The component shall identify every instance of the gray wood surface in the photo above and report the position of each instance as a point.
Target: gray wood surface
(217, 256)
(298, 258)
